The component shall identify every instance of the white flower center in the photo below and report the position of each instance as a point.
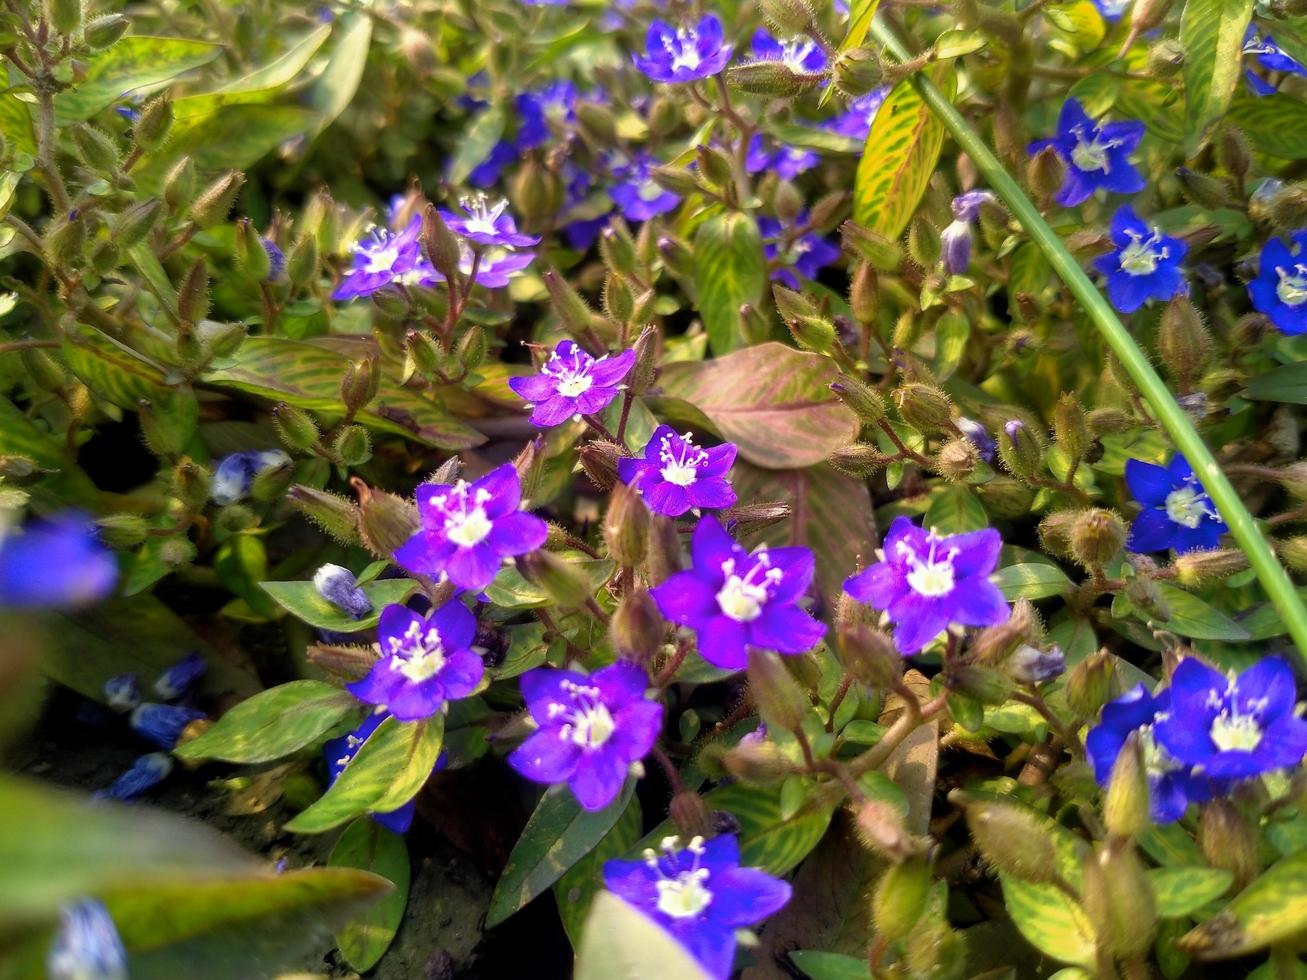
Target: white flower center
(794, 52)
(684, 49)
(481, 214)
(1141, 256)
(1157, 763)
(1090, 153)
(1186, 505)
(681, 467)
(743, 598)
(682, 894)
(933, 576)
(575, 385)
(418, 655)
(1292, 289)
(466, 523)
(472, 529)
(1233, 732)
(587, 722)
(571, 375)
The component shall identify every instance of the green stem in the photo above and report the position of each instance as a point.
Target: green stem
(1274, 578)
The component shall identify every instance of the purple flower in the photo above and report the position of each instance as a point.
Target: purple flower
(966, 207)
(339, 752)
(555, 103)
(1233, 727)
(806, 254)
(176, 682)
(1172, 786)
(734, 599)
(978, 436)
(380, 260)
(487, 223)
(59, 563)
(955, 246)
(144, 774)
(1269, 54)
(1280, 289)
(1112, 10)
(1177, 512)
(675, 475)
(801, 55)
(701, 895)
(1145, 264)
(1097, 156)
(496, 269)
(86, 945)
(855, 122)
(235, 474)
(487, 172)
(787, 161)
(684, 54)
(636, 194)
(572, 383)
(162, 724)
(425, 662)
(591, 729)
(468, 529)
(928, 583)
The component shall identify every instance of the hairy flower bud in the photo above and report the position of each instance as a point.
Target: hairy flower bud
(574, 311)
(858, 71)
(626, 526)
(773, 78)
(1165, 58)
(599, 458)
(994, 644)
(133, 225)
(385, 520)
(1070, 427)
(924, 407)
(122, 531)
(1020, 449)
(637, 628)
(1013, 840)
(780, 700)
(152, 125)
(899, 900)
(1199, 567)
(561, 580)
(957, 459)
(1229, 840)
(251, 252)
(858, 459)
(352, 445)
(1125, 806)
(179, 184)
(1119, 899)
(984, 684)
(96, 149)
(1203, 189)
(193, 293)
(757, 763)
(881, 253)
(1097, 536)
(787, 17)
(1147, 598)
(1089, 685)
(215, 202)
(1183, 341)
(881, 828)
(864, 294)
(104, 31)
(360, 384)
(65, 240)
(865, 401)
(345, 662)
(924, 244)
(1045, 174)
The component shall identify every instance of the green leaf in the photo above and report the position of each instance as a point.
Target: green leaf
(621, 942)
(954, 509)
(772, 401)
(526, 649)
(817, 965)
(729, 270)
(1287, 383)
(135, 65)
(424, 751)
(1033, 580)
(273, 723)
(383, 758)
(899, 159)
(16, 123)
(767, 840)
(558, 835)
(237, 136)
(368, 846)
(510, 590)
(302, 600)
(1183, 891)
(273, 75)
(575, 891)
(475, 143)
(1171, 846)
(1273, 909)
(1192, 617)
(1211, 33)
(1050, 921)
(336, 86)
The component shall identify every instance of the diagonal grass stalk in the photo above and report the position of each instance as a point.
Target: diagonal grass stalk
(1274, 578)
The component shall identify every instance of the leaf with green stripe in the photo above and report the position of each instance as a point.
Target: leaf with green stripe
(729, 271)
(1211, 33)
(620, 941)
(368, 846)
(1183, 891)
(113, 371)
(1050, 920)
(1031, 580)
(384, 759)
(419, 763)
(273, 723)
(1270, 911)
(902, 149)
(135, 65)
(575, 891)
(1275, 124)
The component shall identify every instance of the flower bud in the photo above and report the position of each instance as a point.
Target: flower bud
(1165, 58)
(193, 293)
(924, 243)
(957, 459)
(296, 427)
(338, 586)
(1055, 532)
(561, 580)
(868, 655)
(881, 253)
(345, 662)
(1097, 536)
(360, 384)
(663, 555)
(215, 202)
(65, 241)
(787, 17)
(1089, 685)
(1293, 552)
(1200, 567)
(105, 31)
(1119, 900)
(251, 252)
(637, 628)
(858, 71)
(1183, 342)
(747, 519)
(626, 526)
(1021, 451)
(1233, 152)
(780, 700)
(133, 225)
(1031, 665)
(352, 445)
(864, 294)
(1294, 479)
(759, 763)
(984, 684)
(1006, 498)
(1045, 174)
(96, 149)
(599, 458)
(899, 900)
(1012, 840)
(572, 310)
(385, 520)
(955, 247)
(1126, 807)
(858, 459)
(924, 407)
(865, 401)
(43, 369)
(536, 192)
(65, 16)
(881, 828)
(772, 78)
(152, 126)
(1070, 427)
(1204, 190)
(597, 123)
(994, 644)
(179, 184)
(302, 261)
(1229, 840)
(643, 372)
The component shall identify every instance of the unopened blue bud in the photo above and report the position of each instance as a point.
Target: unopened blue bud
(979, 437)
(162, 724)
(235, 474)
(145, 773)
(339, 587)
(276, 260)
(122, 693)
(86, 945)
(1030, 665)
(955, 247)
(966, 207)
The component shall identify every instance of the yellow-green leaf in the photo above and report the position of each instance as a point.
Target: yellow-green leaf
(1272, 910)
(368, 846)
(272, 724)
(729, 271)
(1211, 33)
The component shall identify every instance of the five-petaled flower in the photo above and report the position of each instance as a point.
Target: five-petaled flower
(1097, 155)
(487, 222)
(700, 894)
(734, 599)
(426, 661)
(1172, 785)
(787, 162)
(927, 583)
(554, 104)
(381, 259)
(675, 475)
(806, 253)
(1233, 728)
(572, 384)
(592, 728)
(1269, 54)
(339, 752)
(468, 529)
(684, 54)
(1177, 512)
(637, 195)
(1280, 289)
(1144, 265)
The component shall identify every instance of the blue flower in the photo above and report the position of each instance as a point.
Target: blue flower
(176, 682)
(1177, 512)
(1280, 289)
(801, 55)
(684, 54)
(162, 724)
(1269, 54)
(699, 894)
(86, 945)
(145, 773)
(122, 692)
(1234, 728)
(339, 587)
(592, 728)
(235, 473)
(1097, 156)
(381, 259)
(554, 104)
(1112, 10)
(637, 195)
(487, 223)
(855, 122)
(786, 161)
(978, 436)
(1145, 264)
(468, 529)
(572, 383)
(734, 599)
(59, 563)
(675, 475)
(928, 583)
(487, 172)
(1172, 785)
(340, 751)
(426, 661)
(806, 253)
